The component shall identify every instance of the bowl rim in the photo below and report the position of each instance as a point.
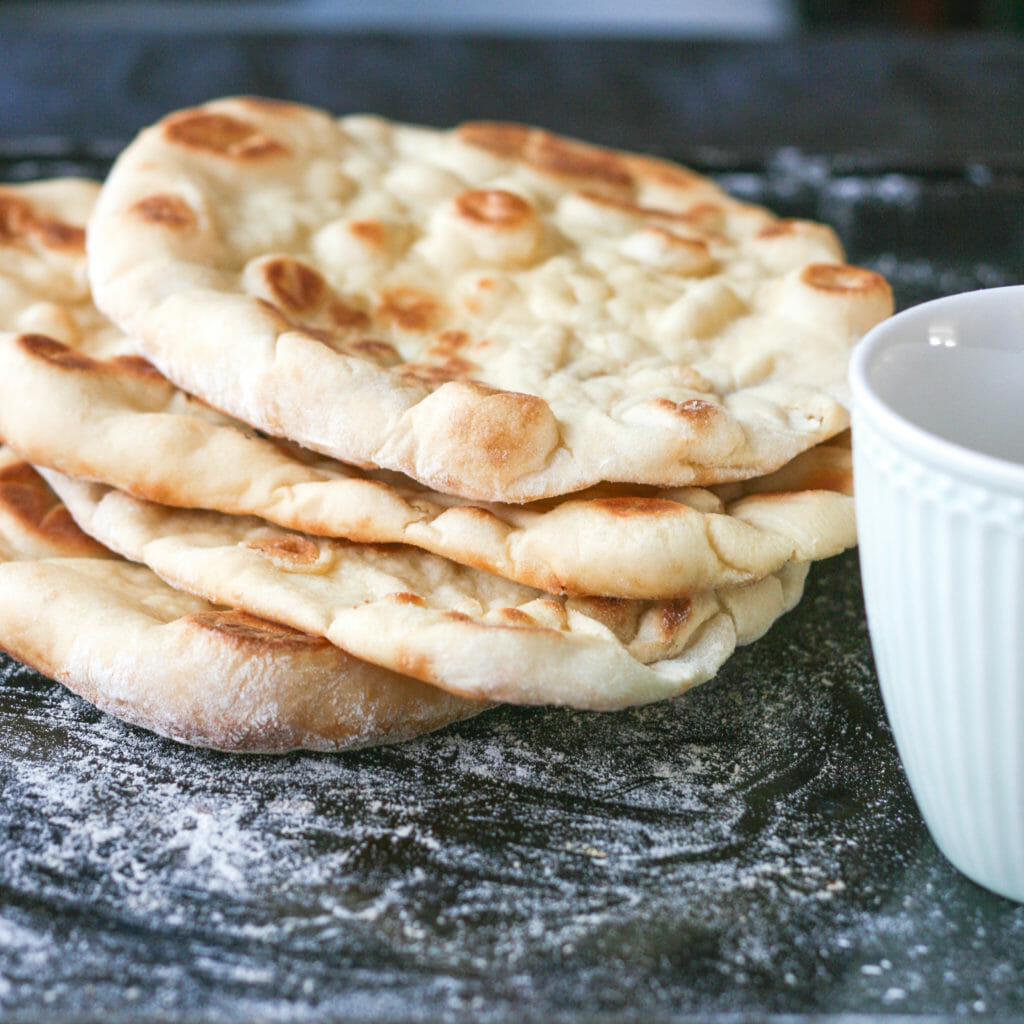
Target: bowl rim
(939, 452)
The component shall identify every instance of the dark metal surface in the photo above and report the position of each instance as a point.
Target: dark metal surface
(749, 850)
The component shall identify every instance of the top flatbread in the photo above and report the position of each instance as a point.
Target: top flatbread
(495, 311)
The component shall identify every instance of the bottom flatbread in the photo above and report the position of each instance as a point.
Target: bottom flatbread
(466, 631)
(117, 635)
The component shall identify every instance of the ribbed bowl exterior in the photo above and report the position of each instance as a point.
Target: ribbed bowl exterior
(942, 563)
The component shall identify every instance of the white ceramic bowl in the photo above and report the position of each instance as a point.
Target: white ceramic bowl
(938, 455)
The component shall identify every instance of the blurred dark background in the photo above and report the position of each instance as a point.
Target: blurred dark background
(918, 84)
(910, 14)
(660, 18)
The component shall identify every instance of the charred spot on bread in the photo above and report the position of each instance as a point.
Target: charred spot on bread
(220, 135)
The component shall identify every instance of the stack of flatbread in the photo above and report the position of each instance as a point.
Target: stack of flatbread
(325, 432)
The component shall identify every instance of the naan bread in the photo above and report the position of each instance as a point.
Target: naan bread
(75, 398)
(115, 634)
(494, 311)
(467, 631)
